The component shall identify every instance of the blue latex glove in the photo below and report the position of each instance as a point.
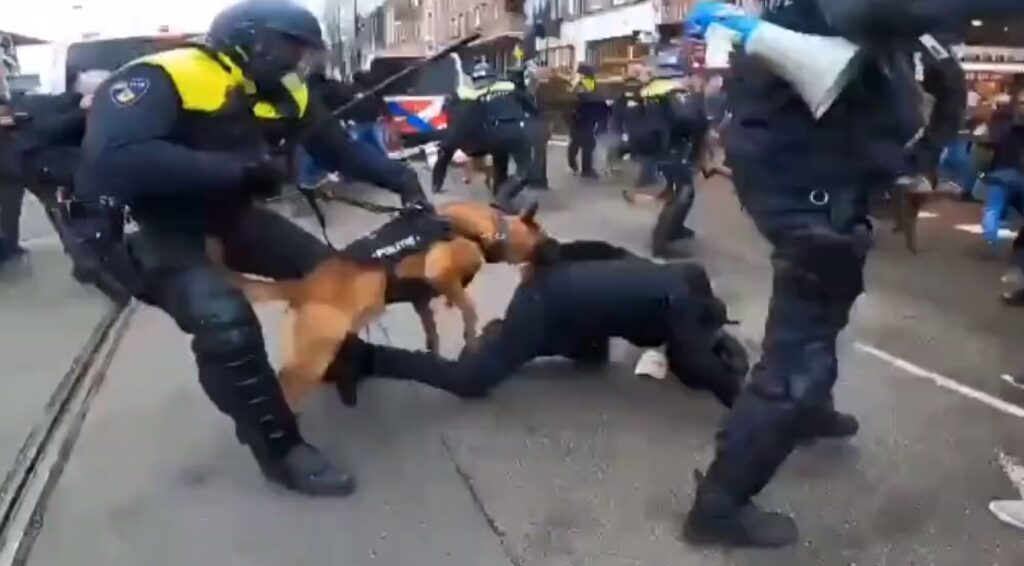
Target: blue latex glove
(699, 20)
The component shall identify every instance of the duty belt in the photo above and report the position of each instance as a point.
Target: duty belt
(104, 217)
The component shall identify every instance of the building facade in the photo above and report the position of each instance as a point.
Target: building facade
(610, 35)
(419, 28)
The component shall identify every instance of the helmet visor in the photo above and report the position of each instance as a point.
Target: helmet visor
(279, 54)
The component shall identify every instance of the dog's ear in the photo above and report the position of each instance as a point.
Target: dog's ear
(529, 213)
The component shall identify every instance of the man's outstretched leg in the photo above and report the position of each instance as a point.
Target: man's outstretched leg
(502, 348)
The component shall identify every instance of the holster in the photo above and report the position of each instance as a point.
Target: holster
(99, 250)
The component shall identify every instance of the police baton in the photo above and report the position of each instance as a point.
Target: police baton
(341, 111)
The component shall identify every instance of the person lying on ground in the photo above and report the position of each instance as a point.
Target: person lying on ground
(571, 306)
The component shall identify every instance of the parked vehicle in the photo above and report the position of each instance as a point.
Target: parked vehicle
(112, 54)
(416, 106)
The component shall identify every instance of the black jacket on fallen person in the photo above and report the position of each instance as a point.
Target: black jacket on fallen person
(576, 305)
(182, 170)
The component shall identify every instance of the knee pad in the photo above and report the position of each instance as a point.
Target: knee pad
(224, 327)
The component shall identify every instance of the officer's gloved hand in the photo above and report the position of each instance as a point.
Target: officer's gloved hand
(263, 178)
(731, 17)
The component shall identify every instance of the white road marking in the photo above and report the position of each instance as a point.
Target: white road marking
(1014, 470)
(943, 381)
(1004, 233)
(926, 214)
(558, 141)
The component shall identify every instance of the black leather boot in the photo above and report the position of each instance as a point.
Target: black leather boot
(716, 519)
(305, 470)
(826, 423)
(302, 468)
(755, 442)
(671, 224)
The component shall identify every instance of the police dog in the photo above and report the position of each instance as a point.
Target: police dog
(341, 296)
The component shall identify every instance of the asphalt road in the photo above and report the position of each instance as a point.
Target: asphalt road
(561, 467)
(45, 319)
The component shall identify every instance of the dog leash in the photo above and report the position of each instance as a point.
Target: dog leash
(367, 206)
(321, 218)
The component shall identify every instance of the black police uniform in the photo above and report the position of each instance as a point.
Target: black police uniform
(588, 114)
(629, 98)
(185, 140)
(490, 120)
(538, 131)
(944, 79)
(805, 183)
(670, 126)
(593, 293)
(42, 153)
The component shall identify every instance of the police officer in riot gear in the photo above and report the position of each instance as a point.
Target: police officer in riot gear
(588, 114)
(623, 106)
(667, 123)
(490, 118)
(538, 129)
(805, 182)
(188, 139)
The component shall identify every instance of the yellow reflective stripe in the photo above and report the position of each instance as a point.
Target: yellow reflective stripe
(296, 87)
(466, 93)
(499, 87)
(660, 87)
(203, 83)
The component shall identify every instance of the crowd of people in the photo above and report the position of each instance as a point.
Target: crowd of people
(192, 139)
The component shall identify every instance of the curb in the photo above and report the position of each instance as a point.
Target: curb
(40, 461)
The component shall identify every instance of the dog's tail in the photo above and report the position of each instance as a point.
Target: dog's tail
(262, 291)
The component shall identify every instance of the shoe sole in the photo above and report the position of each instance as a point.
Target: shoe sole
(809, 440)
(697, 538)
(1004, 517)
(286, 483)
(1013, 382)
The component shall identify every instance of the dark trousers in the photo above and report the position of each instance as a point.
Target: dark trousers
(671, 223)
(12, 199)
(539, 133)
(227, 340)
(820, 239)
(510, 141)
(582, 142)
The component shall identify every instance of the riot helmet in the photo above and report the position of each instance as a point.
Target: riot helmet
(268, 39)
(669, 65)
(482, 74)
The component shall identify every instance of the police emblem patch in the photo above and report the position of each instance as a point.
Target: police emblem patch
(126, 93)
